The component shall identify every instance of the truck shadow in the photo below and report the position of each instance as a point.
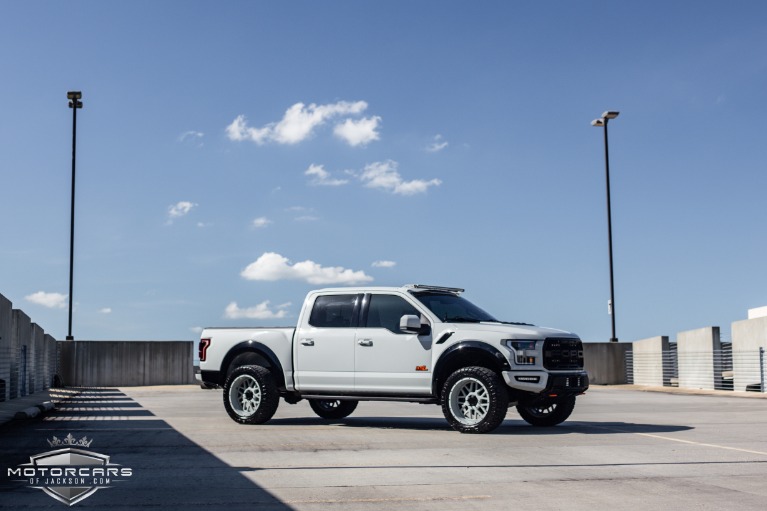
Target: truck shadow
(170, 472)
(509, 426)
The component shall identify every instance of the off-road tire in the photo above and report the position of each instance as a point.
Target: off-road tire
(332, 408)
(474, 400)
(547, 414)
(250, 395)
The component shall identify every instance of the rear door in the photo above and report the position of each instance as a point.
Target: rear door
(388, 361)
(324, 349)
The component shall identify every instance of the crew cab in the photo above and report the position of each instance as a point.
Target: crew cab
(416, 343)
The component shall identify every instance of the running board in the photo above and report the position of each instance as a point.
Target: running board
(366, 397)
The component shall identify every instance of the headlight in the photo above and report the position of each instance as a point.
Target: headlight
(524, 350)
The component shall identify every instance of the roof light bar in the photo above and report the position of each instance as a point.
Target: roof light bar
(436, 288)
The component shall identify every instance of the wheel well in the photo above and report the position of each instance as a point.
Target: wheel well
(460, 359)
(251, 356)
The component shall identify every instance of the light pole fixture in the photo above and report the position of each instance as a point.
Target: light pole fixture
(602, 123)
(74, 103)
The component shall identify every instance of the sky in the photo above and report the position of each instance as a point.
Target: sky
(232, 156)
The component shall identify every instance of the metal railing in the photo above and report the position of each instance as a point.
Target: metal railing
(25, 370)
(722, 369)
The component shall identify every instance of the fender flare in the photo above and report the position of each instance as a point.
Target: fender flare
(463, 349)
(258, 348)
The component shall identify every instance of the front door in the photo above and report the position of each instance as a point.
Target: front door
(386, 360)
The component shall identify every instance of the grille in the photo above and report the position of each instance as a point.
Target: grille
(562, 354)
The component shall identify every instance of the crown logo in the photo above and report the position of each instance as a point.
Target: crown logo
(70, 441)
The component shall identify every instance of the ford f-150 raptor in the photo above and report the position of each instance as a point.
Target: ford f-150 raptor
(416, 343)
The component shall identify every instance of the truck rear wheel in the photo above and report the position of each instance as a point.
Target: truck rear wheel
(474, 400)
(250, 395)
(332, 408)
(548, 413)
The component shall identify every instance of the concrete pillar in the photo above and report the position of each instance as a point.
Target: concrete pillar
(747, 337)
(648, 357)
(21, 333)
(36, 369)
(5, 348)
(49, 360)
(699, 358)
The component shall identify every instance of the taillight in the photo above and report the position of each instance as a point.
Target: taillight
(204, 343)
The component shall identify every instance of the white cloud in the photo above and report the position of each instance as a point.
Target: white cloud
(321, 177)
(384, 175)
(239, 131)
(179, 209)
(437, 144)
(50, 300)
(260, 311)
(298, 123)
(358, 132)
(261, 222)
(307, 215)
(298, 209)
(384, 264)
(196, 330)
(272, 266)
(105, 310)
(191, 136)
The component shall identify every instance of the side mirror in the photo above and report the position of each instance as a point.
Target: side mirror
(411, 324)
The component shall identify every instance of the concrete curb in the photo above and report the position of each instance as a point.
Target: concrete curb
(34, 411)
(689, 392)
(35, 405)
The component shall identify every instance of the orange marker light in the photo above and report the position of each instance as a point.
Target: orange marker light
(421, 368)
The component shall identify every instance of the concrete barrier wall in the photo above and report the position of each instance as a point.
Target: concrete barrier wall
(606, 362)
(747, 337)
(126, 363)
(27, 354)
(648, 366)
(698, 356)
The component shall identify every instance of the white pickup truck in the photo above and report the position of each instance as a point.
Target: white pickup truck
(416, 343)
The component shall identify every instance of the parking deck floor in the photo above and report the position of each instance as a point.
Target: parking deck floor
(621, 449)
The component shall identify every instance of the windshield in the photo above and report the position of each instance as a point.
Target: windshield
(453, 309)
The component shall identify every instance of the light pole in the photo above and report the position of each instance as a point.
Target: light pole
(602, 123)
(74, 103)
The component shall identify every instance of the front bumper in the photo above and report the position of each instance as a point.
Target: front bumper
(568, 384)
(541, 382)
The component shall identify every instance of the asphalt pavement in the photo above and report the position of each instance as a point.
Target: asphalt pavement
(622, 449)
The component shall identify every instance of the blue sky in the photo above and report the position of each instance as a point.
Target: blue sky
(234, 155)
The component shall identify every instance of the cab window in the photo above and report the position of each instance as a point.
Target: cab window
(333, 311)
(385, 311)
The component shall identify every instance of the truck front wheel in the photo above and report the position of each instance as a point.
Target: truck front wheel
(332, 408)
(547, 413)
(474, 400)
(250, 395)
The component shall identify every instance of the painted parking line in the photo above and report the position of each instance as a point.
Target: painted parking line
(394, 499)
(681, 441)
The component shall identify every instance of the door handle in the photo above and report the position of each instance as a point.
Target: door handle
(365, 342)
(307, 342)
